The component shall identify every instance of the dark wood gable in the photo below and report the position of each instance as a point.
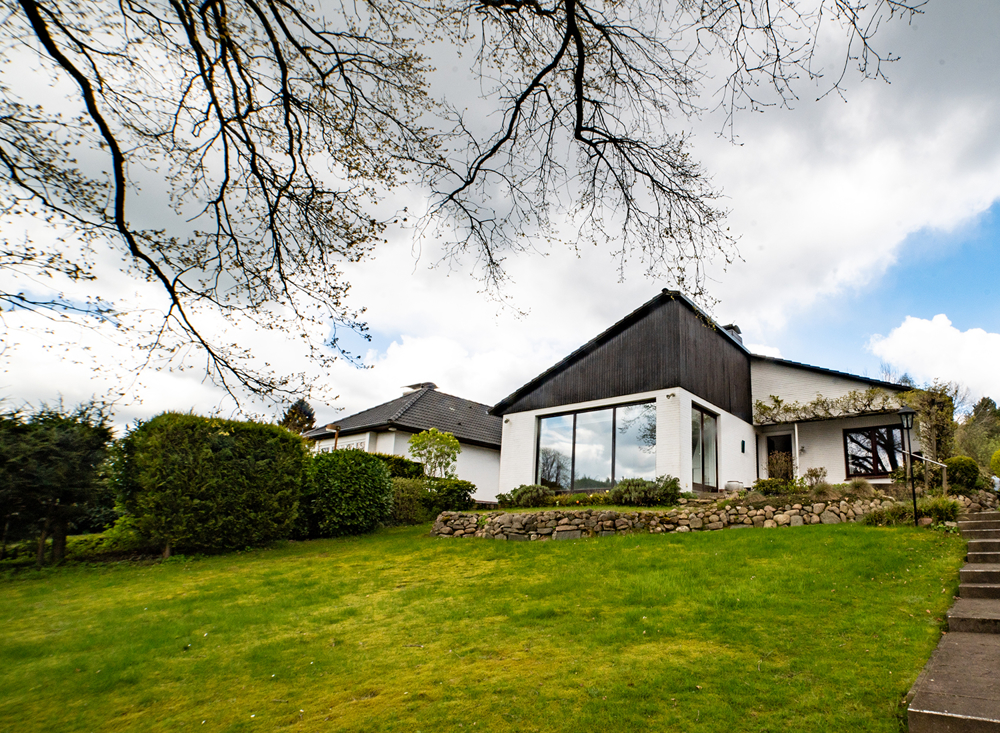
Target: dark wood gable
(666, 343)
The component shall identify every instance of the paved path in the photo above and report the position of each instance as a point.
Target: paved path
(958, 690)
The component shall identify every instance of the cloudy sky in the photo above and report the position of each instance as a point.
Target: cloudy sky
(868, 232)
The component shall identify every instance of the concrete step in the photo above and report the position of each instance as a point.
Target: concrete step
(975, 616)
(984, 545)
(964, 525)
(981, 534)
(980, 573)
(979, 558)
(979, 590)
(984, 516)
(957, 691)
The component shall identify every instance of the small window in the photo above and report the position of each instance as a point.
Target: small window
(873, 452)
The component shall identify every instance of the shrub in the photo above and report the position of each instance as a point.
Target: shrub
(825, 492)
(409, 502)
(527, 495)
(201, 484)
(780, 466)
(995, 463)
(963, 474)
(399, 466)
(774, 486)
(939, 509)
(449, 495)
(598, 498)
(350, 493)
(814, 476)
(860, 488)
(663, 491)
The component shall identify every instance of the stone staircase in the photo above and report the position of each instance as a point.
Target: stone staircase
(958, 690)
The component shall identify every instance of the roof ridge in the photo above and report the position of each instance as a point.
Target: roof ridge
(409, 403)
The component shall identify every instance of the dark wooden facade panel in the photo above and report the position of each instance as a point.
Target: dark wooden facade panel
(665, 344)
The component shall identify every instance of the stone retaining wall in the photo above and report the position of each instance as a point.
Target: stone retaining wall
(703, 516)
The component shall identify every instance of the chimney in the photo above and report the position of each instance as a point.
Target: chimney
(419, 386)
(733, 330)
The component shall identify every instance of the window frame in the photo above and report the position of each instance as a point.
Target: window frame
(702, 486)
(871, 431)
(614, 437)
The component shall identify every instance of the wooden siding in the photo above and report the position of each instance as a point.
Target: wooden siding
(662, 345)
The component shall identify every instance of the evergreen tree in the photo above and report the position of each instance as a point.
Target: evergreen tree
(299, 418)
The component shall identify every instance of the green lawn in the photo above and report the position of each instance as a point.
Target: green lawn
(814, 629)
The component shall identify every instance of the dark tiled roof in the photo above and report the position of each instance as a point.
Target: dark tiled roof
(423, 409)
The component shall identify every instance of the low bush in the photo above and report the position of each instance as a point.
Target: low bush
(814, 476)
(350, 492)
(664, 491)
(774, 486)
(963, 474)
(995, 463)
(860, 488)
(409, 502)
(527, 495)
(400, 466)
(939, 509)
(449, 495)
(826, 492)
(598, 498)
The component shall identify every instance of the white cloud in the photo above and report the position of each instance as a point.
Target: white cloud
(935, 349)
(764, 350)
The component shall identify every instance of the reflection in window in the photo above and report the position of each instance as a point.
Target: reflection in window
(704, 450)
(594, 435)
(635, 441)
(555, 452)
(592, 450)
(873, 451)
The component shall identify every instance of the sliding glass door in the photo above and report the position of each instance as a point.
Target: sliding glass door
(704, 450)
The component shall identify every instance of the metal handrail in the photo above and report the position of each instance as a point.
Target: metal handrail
(944, 469)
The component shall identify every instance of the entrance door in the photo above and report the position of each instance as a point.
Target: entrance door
(779, 457)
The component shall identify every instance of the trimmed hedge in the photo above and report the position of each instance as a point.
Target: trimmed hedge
(400, 466)
(200, 484)
(420, 500)
(350, 492)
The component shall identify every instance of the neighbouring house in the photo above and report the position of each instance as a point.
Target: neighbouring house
(387, 428)
(666, 390)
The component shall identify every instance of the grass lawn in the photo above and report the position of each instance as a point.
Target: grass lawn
(818, 628)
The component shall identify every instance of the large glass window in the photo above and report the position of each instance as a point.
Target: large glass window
(873, 451)
(591, 450)
(704, 450)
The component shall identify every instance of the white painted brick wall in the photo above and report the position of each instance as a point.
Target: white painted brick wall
(673, 439)
(795, 384)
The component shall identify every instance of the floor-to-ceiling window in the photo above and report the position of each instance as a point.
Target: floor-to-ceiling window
(704, 449)
(594, 449)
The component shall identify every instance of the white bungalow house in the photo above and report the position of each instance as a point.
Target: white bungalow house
(666, 390)
(387, 428)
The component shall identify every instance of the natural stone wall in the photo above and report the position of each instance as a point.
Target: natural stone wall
(697, 516)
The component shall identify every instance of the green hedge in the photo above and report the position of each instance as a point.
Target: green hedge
(199, 484)
(416, 501)
(350, 492)
(400, 466)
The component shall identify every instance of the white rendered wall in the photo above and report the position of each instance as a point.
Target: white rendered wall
(795, 384)
(821, 443)
(673, 439)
